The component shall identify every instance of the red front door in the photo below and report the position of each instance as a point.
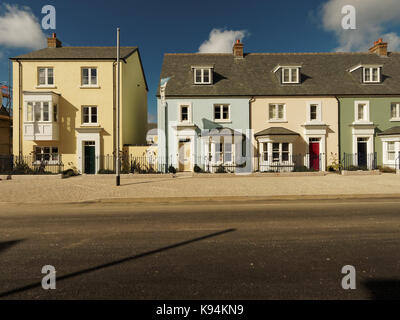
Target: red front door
(314, 156)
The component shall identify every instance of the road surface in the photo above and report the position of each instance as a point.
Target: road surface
(263, 250)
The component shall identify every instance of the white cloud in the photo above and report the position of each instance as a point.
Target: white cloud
(221, 41)
(19, 28)
(373, 18)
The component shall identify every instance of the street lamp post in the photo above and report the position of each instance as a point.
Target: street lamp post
(117, 165)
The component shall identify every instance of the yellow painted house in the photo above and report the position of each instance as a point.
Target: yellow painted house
(65, 104)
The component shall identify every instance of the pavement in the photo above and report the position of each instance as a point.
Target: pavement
(265, 250)
(36, 190)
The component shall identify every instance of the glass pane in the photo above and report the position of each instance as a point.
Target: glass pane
(275, 156)
(281, 111)
(361, 112)
(217, 112)
(93, 76)
(85, 76)
(38, 111)
(294, 75)
(275, 147)
(313, 112)
(42, 76)
(271, 111)
(29, 111)
(94, 114)
(198, 75)
(226, 112)
(55, 113)
(375, 74)
(367, 74)
(45, 111)
(85, 115)
(391, 146)
(286, 75)
(206, 75)
(50, 76)
(285, 156)
(185, 113)
(285, 147)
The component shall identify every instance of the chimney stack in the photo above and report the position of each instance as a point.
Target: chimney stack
(53, 42)
(238, 49)
(380, 48)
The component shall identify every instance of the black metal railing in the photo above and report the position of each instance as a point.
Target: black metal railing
(355, 162)
(24, 165)
(292, 163)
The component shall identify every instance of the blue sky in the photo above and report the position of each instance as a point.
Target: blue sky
(159, 27)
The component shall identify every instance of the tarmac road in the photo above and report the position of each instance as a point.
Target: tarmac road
(263, 250)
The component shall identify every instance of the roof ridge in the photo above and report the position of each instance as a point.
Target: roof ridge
(279, 53)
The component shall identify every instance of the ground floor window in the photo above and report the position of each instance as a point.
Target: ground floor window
(280, 152)
(223, 152)
(391, 151)
(46, 154)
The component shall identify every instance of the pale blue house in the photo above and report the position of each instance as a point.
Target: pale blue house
(204, 121)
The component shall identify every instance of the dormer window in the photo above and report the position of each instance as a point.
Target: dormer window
(203, 75)
(290, 75)
(372, 74)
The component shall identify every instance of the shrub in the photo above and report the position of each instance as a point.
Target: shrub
(22, 168)
(172, 169)
(387, 170)
(197, 169)
(220, 169)
(103, 171)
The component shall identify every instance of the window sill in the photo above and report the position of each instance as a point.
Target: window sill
(395, 120)
(46, 87)
(222, 121)
(278, 121)
(94, 125)
(365, 123)
(90, 87)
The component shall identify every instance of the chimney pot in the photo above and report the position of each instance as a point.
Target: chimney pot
(53, 42)
(379, 48)
(238, 49)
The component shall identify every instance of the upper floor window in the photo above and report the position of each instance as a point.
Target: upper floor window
(89, 115)
(185, 113)
(89, 77)
(290, 75)
(395, 111)
(46, 77)
(362, 111)
(314, 112)
(277, 112)
(38, 112)
(222, 113)
(372, 74)
(202, 75)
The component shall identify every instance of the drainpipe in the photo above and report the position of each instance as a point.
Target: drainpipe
(339, 133)
(251, 100)
(20, 108)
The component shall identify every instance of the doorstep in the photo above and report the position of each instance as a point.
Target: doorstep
(361, 173)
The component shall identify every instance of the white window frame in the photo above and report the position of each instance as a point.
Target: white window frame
(51, 161)
(90, 84)
(90, 123)
(214, 152)
(370, 80)
(290, 75)
(46, 77)
(397, 106)
(210, 80)
(319, 111)
(189, 105)
(366, 115)
(50, 112)
(221, 107)
(276, 106)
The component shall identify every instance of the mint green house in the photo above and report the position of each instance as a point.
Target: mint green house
(369, 111)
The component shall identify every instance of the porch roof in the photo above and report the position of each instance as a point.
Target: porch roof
(276, 131)
(390, 132)
(220, 132)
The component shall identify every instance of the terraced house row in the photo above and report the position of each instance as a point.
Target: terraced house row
(281, 111)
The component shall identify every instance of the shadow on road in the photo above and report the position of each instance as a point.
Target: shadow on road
(114, 263)
(143, 182)
(383, 289)
(8, 244)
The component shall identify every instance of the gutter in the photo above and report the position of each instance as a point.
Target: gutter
(339, 133)
(20, 90)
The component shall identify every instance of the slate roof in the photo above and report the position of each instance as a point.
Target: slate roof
(391, 131)
(276, 131)
(322, 74)
(77, 53)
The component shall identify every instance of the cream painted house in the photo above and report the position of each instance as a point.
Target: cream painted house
(65, 104)
(289, 131)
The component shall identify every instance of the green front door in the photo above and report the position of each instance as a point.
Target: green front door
(90, 160)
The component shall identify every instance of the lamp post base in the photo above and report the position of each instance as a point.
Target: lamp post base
(118, 181)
